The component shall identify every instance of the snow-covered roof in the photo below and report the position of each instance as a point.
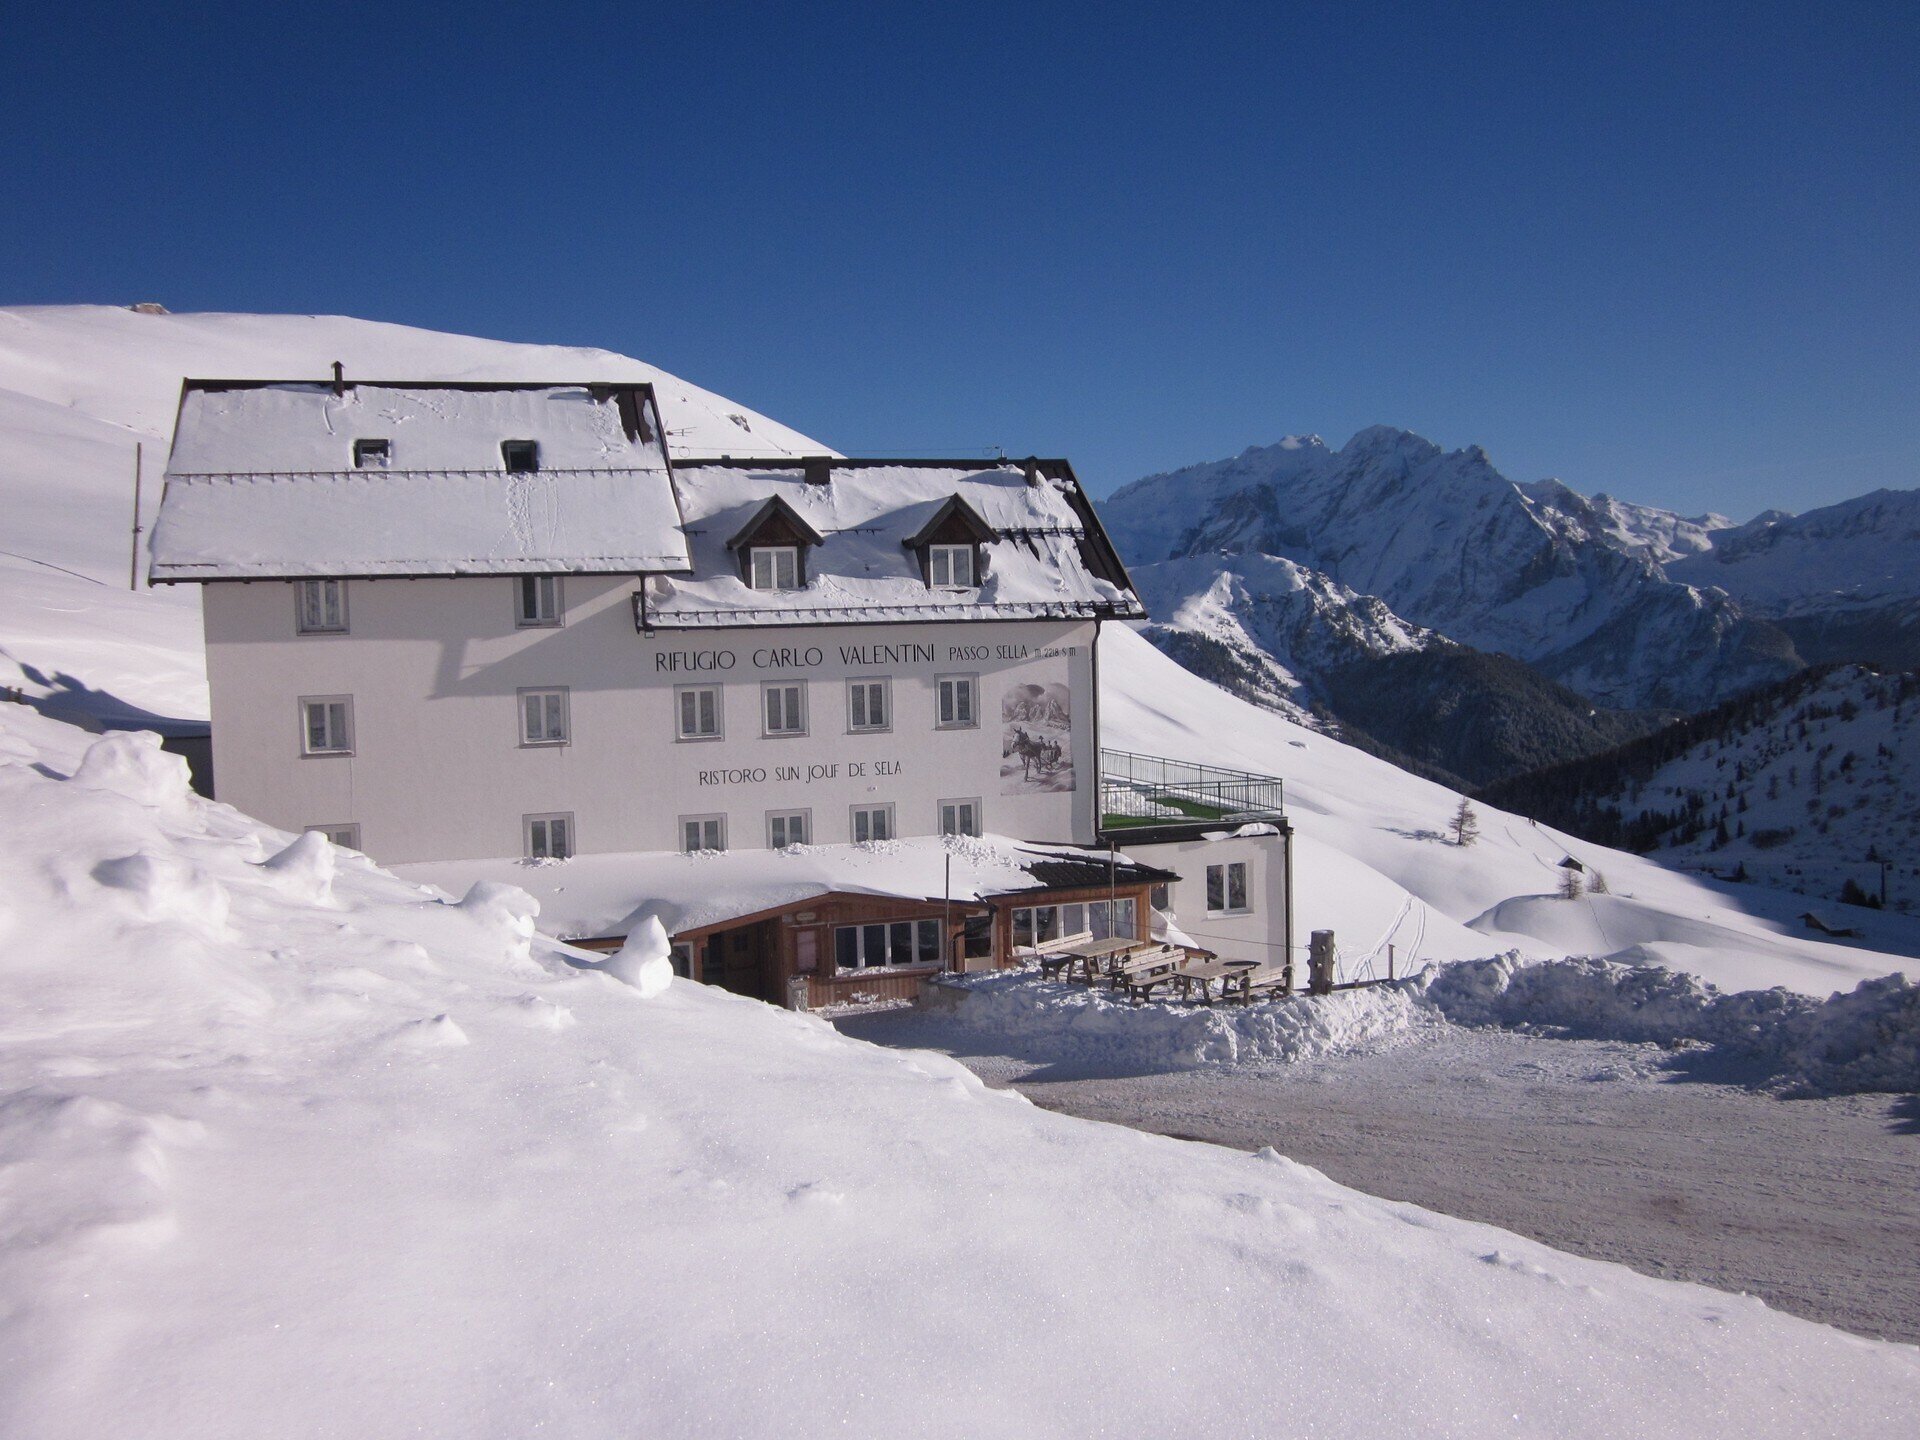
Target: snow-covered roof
(604, 895)
(1048, 556)
(263, 483)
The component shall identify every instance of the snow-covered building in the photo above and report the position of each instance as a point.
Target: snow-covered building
(477, 626)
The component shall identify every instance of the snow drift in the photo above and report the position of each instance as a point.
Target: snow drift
(375, 1162)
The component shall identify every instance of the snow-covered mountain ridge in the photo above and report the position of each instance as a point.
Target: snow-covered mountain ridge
(1632, 606)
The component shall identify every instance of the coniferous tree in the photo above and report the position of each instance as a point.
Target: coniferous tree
(1466, 823)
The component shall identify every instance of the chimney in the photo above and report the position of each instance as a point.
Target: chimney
(818, 470)
(1031, 467)
(339, 378)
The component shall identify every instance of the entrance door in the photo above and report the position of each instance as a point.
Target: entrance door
(735, 960)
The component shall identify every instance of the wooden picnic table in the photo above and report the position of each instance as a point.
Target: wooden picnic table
(1090, 955)
(1204, 971)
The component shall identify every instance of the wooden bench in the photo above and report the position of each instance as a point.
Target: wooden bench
(1258, 984)
(1140, 971)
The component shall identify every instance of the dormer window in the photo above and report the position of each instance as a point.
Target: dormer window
(950, 567)
(774, 567)
(951, 546)
(521, 457)
(773, 546)
(372, 454)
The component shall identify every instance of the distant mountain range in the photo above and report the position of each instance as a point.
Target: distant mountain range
(1475, 627)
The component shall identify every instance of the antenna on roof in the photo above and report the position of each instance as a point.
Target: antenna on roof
(339, 378)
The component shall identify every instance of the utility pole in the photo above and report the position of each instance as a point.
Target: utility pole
(133, 560)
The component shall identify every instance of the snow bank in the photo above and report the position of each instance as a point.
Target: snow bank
(1093, 1029)
(393, 1164)
(1865, 1039)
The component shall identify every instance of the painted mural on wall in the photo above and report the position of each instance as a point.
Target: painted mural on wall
(1036, 739)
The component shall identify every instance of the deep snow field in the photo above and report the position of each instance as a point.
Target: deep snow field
(295, 1148)
(289, 1146)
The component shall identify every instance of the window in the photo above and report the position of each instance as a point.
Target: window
(703, 832)
(347, 837)
(1227, 889)
(326, 724)
(521, 457)
(890, 942)
(699, 712)
(774, 567)
(950, 567)
(959, 817)
(1043, 924)
(682, 956)
(957, 707)
(322, 606)
(543, 717)
(549, 837)
(872, 822)
(786, 827)
(1159, 897)
(536, 601)
(869, 705)
(785, 708)
(372, 454)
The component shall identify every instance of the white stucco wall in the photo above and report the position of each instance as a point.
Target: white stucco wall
(1257, 933)
(438, 771)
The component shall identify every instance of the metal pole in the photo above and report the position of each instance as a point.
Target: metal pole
(1113, 895)
(1389, 962)
(946, 913)
(133, 560)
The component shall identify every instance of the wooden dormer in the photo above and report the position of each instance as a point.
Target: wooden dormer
(776, 526)
(955, 523)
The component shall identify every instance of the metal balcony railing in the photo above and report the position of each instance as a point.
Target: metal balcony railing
(1145, 790)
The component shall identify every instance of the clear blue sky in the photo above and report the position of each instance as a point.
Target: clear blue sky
(1664, 251)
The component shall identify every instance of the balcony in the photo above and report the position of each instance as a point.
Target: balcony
(1149, 792)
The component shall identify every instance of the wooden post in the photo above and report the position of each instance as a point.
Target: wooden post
(1389, 962)
(133, 560)
(946, 914)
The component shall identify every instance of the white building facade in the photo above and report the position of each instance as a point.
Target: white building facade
(452, 623)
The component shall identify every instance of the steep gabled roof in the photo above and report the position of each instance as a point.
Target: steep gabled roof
(261, 483)
(1046, 556)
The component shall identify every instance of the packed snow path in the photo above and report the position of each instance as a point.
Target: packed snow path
(1598, 1147)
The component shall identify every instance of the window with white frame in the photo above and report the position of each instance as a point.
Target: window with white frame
(959, 697)
(787, 827)
(889, 942)
(950, 567)
(372, 454)
(774, 567)
(699, 711)
(869, 705)
(543, 717)
(321, 606)
(703, 832)
(959, 817)
(521, 457)
(549, 837)
(872, 822)
(1038, 925)
(536, 601)
(347, 837)
(784, 706)
(326, 724)
(1227, 889)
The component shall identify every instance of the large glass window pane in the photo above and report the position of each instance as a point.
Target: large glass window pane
(846, 947)
(1023, 928)
(900, 940)
(1046, 923)
(873, 944)
(1216, 887)
(929, 942)
(1073, 919)
(1237, 887)
(1097, 920)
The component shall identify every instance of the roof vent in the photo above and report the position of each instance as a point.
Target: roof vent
(1030, 467)
(339, 378)
(818, 470)
(148, 307)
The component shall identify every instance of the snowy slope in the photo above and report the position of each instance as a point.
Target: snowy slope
(80, 385)
(1374, 866)
(296, 1149)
